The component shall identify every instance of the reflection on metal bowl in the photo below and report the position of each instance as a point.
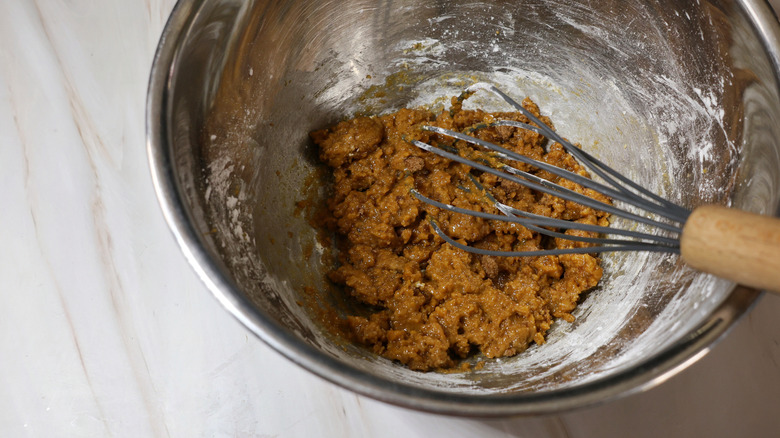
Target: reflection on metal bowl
(682, 97)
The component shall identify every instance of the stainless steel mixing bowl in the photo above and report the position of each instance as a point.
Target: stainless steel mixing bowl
(682, 96)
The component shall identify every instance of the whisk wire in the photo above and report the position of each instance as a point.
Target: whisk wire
(593, 164)
(627, 197)
(617, 187)
(544, 186)
(545, 252)
(534, 221)
(564, 224)
(655, 204)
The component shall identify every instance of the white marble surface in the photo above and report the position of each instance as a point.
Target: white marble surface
(106, 331)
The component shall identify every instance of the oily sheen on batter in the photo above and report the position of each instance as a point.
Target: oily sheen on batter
(430, 303)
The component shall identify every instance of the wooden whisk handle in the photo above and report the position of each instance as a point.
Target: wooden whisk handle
(734, 245)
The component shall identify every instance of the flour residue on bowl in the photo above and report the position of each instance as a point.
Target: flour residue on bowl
(664, 129)
(626, 90)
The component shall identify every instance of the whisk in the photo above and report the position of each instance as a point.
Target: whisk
(735, 245)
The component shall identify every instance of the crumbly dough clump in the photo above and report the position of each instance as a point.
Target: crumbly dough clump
(430, 303)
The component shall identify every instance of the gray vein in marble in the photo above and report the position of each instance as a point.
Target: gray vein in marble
(31, 208)
(91, 142)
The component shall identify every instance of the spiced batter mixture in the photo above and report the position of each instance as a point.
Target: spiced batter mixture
(432, 304)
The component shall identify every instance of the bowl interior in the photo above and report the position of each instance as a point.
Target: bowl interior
(682, 98)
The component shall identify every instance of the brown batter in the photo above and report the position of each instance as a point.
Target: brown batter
(430, 303)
